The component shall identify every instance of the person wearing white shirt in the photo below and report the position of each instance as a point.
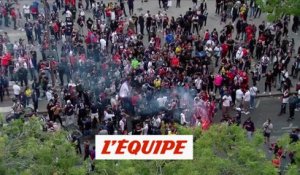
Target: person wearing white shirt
(145, 128)
(198, 84)
(125, 94)
(68, 14)
(217, 54)
(122, 125)
(156, 121)
(267, 127)
(183, 119)
(103, 44)
(246, 102)
(17, 90)
(253, 91)
(162, 101)
(264, 63)
(239, 54)
(124, 90)
(158, 18)
(284, 76)
(112, 15)
(239, 98)
(114, 37)
(226, 101)
(26, 11)
(49, 95)
(108, 115)
(284, 102)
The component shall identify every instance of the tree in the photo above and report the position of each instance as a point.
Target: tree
(290, 147)
(225, 150)
(220, 150)
(276, 8)
(26, 149)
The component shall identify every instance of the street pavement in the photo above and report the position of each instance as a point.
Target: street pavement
(267, 107)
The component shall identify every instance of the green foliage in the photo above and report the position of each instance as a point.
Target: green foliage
(276, 8)
(222, 150)
(285, 142)
(26, 149)
(126, 167)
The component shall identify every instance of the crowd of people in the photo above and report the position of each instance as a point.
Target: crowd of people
(102, 67)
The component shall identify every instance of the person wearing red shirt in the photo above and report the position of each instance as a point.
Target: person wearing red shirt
(117, 58)
(224, 52)
(249, 29)
(56, 30)
(245, 52)
(13, 15)
(262, 38)
(249, 33)
(249, 37)
(162, 72)
(245, 82)
(174, 62)
(5, 59)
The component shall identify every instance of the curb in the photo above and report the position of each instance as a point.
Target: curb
(273, 95)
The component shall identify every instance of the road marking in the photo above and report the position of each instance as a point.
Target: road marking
(290, 127)
(5, 109)
(257, 104)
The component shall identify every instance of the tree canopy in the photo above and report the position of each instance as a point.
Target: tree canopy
(276, 8)
(26, 149)
(221, 150)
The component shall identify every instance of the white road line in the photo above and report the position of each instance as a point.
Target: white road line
(290, 127)
(5, 109)
(257, 104)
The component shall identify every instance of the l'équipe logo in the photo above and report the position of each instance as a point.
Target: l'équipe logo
(144, 147)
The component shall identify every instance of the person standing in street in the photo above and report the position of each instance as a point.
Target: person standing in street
(26, 11)
(195, 2)
(17, 90)
(1, 88)
(246, 103)
(284, 101)
(267, 127)
(141, 22)
(249, 127)
(122, 5)
(178, 3)
(293, 101)
(239, 98)
(295, 24)
(268, 81)
(35, 100)
(87, 3)
(130, 6)
(56, 113)
(13, 15)
(159, 3)
(253, 92)
(69, 111)
(226, 102)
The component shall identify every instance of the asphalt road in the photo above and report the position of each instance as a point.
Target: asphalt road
(269, 107)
